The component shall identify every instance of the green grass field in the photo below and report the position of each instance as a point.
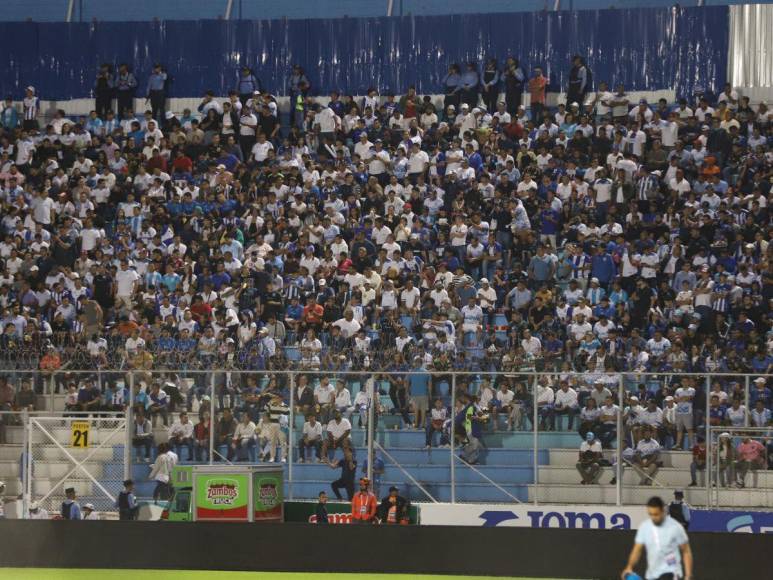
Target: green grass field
(84, 574)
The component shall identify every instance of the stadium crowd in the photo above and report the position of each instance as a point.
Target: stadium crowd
(391, 233)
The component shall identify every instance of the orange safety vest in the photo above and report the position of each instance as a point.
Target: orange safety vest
(363, 506)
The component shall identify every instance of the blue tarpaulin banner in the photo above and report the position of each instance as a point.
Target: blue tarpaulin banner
(647, 49)
(731, 521)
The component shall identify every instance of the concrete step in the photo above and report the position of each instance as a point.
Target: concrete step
(53, 469)
(607, 494)
(10, 452)
(568, 457)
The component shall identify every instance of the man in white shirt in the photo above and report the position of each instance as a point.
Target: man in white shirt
(646, 457)
(125, 285)
(338, 436)
(566, 403)
(324, 397)
(261, 148)
(418, 162)
(243, 442)
(348, 325)
(311, 437)
(181, 433)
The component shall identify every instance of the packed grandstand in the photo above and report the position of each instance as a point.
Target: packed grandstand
(403, 235)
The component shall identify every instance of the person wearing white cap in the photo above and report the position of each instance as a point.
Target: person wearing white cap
(31, 108)
(89, 512)
(465, 120)
(38, 513)
(760, 392)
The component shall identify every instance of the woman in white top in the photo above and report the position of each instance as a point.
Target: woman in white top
(247, 329)
(737, 414)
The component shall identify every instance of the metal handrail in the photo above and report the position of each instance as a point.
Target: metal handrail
(408, 475)
(487, 478)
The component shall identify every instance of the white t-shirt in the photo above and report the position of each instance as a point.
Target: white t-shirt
(125, 280)
(338, 429)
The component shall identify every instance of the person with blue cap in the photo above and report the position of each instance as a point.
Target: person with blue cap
(667, 546)
(589, 464)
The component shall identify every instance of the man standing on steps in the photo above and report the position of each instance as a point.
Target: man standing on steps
(578, 82)
(364, 504)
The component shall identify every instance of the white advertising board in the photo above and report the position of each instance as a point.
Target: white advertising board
(596, 517)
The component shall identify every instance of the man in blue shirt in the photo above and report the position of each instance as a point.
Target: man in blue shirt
(666, 543)
(157, 92)
(603, 267)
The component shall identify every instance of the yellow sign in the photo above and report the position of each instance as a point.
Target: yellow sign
(79, 435)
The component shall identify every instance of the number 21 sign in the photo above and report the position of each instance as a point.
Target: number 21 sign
(79, 434)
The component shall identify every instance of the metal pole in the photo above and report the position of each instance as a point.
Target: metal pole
(212, 419)
(27, 463)
(708, 409)
(619, 449)
(52, 400)
(371, 427)
(709, 464)
(535, 437)
(68, 14)
(453, 438)
(25, 459)
(707, 387)
(746, 401)
(291, 437)
(127, 447)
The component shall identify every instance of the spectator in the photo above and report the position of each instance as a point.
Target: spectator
(590, 456)
(566, 403)
(751, 455)
(38, 513)
(436, 423)
(698, 460)
(142, 435)
(311, 438)
(646, 458)
(201, 436)
(243, 440)
(89, 512)
(338, 437)
(181, 434)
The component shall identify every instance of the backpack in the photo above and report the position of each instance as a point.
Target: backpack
(471, 451)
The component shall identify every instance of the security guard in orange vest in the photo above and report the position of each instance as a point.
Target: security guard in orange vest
(364, 504)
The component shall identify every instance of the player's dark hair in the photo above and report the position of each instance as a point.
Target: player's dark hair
(656, 502)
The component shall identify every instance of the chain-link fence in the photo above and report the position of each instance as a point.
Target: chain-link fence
(439, 435)
(82, 457)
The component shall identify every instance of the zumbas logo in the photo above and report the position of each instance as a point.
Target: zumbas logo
(567, 519)
(222, 492)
